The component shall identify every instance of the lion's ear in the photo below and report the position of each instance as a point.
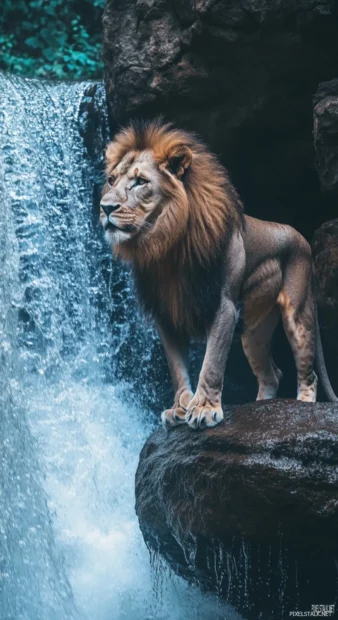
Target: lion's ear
(179, 159)
(113, 155)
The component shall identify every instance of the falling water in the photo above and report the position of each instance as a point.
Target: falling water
(75, 354)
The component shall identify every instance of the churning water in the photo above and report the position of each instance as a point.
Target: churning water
(72, 422)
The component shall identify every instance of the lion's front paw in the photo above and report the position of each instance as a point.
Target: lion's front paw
(173, 417)
(202, 413)
(176, 415)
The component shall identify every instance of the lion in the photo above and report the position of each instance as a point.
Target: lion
(170, 209)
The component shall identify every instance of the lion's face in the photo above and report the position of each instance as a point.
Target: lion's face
(133, 201)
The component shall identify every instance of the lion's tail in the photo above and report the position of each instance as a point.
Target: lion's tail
(324, 377)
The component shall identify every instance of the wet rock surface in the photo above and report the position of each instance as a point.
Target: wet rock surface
(325, 253)
(249, 508)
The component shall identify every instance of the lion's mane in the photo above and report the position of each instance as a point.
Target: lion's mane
(180, 255)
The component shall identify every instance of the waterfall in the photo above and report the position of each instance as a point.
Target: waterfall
(79, 370)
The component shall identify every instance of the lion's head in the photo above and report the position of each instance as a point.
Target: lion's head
(164, 191)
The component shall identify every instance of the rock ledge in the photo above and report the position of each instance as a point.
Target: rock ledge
(249, 508)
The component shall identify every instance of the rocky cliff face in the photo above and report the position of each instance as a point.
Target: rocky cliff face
(325, 240)
(248, 508)
(325, 253)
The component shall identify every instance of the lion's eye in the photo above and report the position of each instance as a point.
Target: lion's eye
(140, 181)
(111, 180)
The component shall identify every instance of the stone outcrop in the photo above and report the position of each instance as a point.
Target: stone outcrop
(250, 507)
(223, 61)
(325, 135)
(325, 253)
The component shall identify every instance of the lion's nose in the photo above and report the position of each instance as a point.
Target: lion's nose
(108, 209)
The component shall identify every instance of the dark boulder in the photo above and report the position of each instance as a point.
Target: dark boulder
(325, 135)
(325, 253)
(242, 75)
(249, 508)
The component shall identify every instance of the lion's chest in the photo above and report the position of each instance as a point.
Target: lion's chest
(181, 298)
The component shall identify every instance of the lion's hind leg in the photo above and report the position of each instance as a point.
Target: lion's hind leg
(257, 348)
(299, 327)
(296, 302)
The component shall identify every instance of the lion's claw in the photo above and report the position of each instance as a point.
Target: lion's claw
(205, 415)
(177, 414)
(173, 417)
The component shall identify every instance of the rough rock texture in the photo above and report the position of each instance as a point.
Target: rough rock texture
(325, 135)
(325, 253)
(242, 75)
(250, 507)
(216, 57)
